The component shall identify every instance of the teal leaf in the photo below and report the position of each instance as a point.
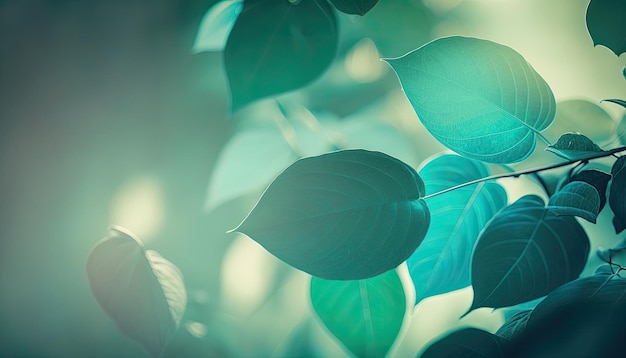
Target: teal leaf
(573, 146)
(364, 315)
(525, 252)
(599, 180)
(354, 7)
(582, 116)
(139, 289)
(515, 325)
(216, 26)
(621, 102)
(576, 198)
(617, 194)
(605, 23)
(621, 130)
(608, 255)
(278, 46)
(478, 98)
(347, 215)
(441, 263)
(467, 343)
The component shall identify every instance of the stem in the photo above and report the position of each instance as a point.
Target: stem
(529, 171)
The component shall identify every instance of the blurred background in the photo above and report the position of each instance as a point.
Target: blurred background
(106, 117)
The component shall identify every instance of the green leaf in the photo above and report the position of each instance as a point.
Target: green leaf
(617, 194)
(621, 130)
(355, 7)
(364, 315)
(621, 102)
(599, 180)
(278, 46)
(345, 215)
(605, 23)
(478, 98)
(216, 26)
(441, 263)
(467, 343)
(139, 289)
(525, 252)
(515, 325)
(574, 146)
(576, 198)
(581, 116)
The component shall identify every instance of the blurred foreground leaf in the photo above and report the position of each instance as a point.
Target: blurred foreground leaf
(216, 26)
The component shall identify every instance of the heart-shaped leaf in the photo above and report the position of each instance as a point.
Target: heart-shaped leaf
(478, 98)
(582, 116)
(348, 215)
(576, 198)
(467, 343)
(364, 315)
(216, 26)
(617, 194)
(515, 325)
(355, 7)
(574, 146)
(278, 46)
(525, 252)
(441, 263)
(139, 289)
(599, 180)
(605, 23)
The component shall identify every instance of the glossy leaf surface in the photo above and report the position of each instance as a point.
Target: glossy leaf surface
(576, 198)
(478, 98)
(347, 215)
(598, 179)
(525, 252)
(467, 343)
(605, 23)
(355, 7)
(574, 146)
(216, 26)
(364, 315)
(139, 289)
(617, 194)
(442, 262)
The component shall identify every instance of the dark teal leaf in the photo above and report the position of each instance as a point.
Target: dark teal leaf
(576, 198)
(525, 252)
(605, 22)
(574, 146)
(604, 269)
(139, 289)
(277, 46)
(346, 215)
(621, 102)
(467, 343)
(617, 194)
(216, 26)
(442, 261)
(576, 115)
(355, 7)
(364, 315)
(599, 180)
(515, 325)
(478, 98)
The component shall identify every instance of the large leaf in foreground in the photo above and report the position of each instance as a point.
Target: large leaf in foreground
(617, 194)
(478, 98)
(605, 23)
(576, 198)
(139, 289)
(525, 252)
(364, 315)
(467, 343)
(348, 215)
(442, 262)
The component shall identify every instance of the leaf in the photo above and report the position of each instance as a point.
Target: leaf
(216, 26)
(608, 255)
(344, 215)
(576, 198)
(621, 102)
(364, 315)
(140, 290)
(515, 325)
(478, 98)
(599, 179)
(617, 194)
(277, 46)
(467, 343)
(605, 23)
(441, 263)
(621, 130)
(581, 116)
(574, 146)
(355, 7)
(525, 252)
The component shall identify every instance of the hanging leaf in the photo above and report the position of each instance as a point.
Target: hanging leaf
(478, 98)
(576, 198)
(278, 46)
(525, 252)
(216, 26)
(605, 23)
(364, 315)
(574, 146)
(599, 180)
(441, 263)
(617, 194)
(355, 7)
(139, 289)
(581, 116)
(515, 325)
(467, 343)
(344, 215)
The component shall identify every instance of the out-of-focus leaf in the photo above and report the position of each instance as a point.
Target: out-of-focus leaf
(348, 215)
(582, 116)
(355, 7)
(605, 23)
(139, 289)
(478, 98)
(574, 146)
(599, 180)
(617, 194)
(467, 343)
(278, 46)
(621, 130)
(364, 315)
(525, 252)
(442, 262)
(216, 25)
(515, 325)
(576, 198)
